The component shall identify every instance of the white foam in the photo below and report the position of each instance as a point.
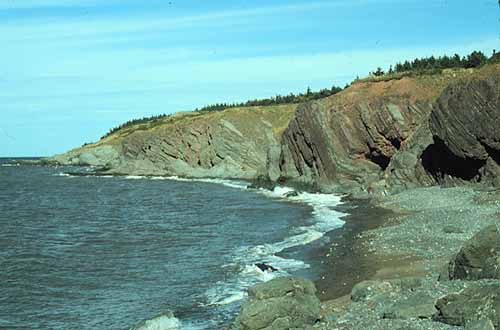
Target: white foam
(324, 219)
(165, 321)
(135, 177)
(64, 174)
(9, 165)
(228, 183)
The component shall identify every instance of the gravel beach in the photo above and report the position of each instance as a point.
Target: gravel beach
(405, 256)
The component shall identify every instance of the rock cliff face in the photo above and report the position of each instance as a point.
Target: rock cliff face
(373, 137)
(351, 138)
(390, 135)
(466, 130)
(235, 143)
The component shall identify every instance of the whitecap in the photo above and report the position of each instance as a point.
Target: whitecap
(324, 219)
(228, 183)
(165, 321)
(134, 177)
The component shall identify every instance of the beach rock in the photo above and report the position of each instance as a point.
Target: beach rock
(479, 257)
(476, 302)
(416, 306)
(483, 324)
(379, 289)
(280, 304)
(369, 289)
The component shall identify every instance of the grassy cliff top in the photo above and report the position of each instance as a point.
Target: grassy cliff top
(426, 84)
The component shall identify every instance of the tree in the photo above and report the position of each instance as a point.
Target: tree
(475, 59)
(379, 72)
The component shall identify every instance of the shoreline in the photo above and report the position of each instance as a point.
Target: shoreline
(410, 236)
(346, 259)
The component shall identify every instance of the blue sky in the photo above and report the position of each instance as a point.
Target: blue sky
(72, 69)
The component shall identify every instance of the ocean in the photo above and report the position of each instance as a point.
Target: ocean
(88, 252)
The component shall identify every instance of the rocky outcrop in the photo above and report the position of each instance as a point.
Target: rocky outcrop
(351, 138)
(425, 302)
(474, 303)
(235, 143)
(465, 127)
(280, 304)
(382, 137)
(106, 156)
(479, 258)
(374, 137)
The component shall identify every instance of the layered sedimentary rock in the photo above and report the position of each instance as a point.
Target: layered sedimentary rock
(466, 130)
(351, 138)
(386, 136)
(374, 137)
(235, 143)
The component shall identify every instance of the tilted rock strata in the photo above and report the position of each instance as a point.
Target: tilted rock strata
(235, 143)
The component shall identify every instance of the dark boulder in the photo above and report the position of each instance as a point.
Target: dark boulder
(479, 258)
(266, 268)
(291, 194)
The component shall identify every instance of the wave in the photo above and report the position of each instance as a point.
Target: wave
(244, 259)
(237, 184)
(166, 321)
(325, 219)
(10, 165)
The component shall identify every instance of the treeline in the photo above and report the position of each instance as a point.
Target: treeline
(419, 66)
(435, 64)
(134, 122)
(278, 99)
(275, 100)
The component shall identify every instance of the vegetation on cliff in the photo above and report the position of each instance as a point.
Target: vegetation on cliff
(418, 66)
(275, 100)
(435, 65)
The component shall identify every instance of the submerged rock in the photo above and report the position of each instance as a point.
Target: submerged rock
(479, 258)
(282, 303)
(266, 268)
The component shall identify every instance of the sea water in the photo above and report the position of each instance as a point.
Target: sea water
(157, 253)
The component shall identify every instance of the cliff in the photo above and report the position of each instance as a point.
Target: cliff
(234, 143)
(377, 136)
(385, 136)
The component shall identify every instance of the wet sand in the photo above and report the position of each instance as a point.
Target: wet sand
(348, 261)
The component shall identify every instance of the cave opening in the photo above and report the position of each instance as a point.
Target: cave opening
(379, 159)
(396, 143)
(439, 161)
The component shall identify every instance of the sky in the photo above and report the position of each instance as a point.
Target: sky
(72, 69)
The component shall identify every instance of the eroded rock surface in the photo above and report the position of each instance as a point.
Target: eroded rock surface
(479, 258)
(280, 304)
(465, 126)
